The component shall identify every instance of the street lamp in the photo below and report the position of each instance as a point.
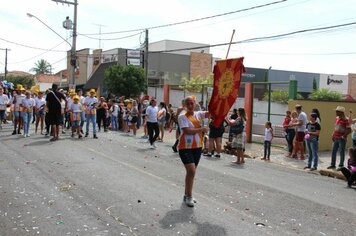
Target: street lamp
(30, 15)
(73, 57)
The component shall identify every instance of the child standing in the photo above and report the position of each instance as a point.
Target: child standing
(268, 140)
(76, 113)
(312, 138)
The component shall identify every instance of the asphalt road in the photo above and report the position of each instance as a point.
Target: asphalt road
(116, 185)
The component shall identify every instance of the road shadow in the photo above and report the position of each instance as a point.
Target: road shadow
(185, 215)
(38, 143)
(236, 166)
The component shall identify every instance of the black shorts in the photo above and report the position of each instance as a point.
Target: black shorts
(216, 132)
(54, 118)
(189, 156)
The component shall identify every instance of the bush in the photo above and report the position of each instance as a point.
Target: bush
(325, 95)
(280, 96)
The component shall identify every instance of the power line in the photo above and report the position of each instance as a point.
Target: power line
(27, 46)
(48, 50)
(194, 20)
(124, 37)
(259, 39)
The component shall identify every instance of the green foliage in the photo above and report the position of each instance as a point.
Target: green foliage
(26, 81)
(196, 84)
(325, 95)
(125, 81)
(280, 96)
(315, 86)
(42, 67)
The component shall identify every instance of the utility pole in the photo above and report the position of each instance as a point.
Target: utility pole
(5, 49)
(146, 60)
(73, 56)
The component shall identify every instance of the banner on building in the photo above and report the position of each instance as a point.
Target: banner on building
(227, 79)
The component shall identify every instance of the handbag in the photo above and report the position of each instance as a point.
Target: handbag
(237, 129)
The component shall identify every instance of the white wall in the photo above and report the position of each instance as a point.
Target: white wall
(337, 83)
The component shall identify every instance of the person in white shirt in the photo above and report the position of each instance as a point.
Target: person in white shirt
(4, 101)
(18, 97)
(27, 105)
(91, 103)
(75, 115)
(82, 118)
(152, 122)
(114, 115)
(40, 103)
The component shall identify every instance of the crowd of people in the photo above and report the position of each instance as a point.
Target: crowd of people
(196, 134)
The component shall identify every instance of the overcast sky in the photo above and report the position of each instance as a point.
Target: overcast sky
(332, 51)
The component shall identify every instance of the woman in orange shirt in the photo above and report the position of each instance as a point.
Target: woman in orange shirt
(190, 144)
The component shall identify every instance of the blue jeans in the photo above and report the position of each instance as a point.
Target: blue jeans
(338, 145)
(267, 149)
(290, 138)
(313, 147)
(114, 122)
(91, 119)
(82, 119)
(26, 117)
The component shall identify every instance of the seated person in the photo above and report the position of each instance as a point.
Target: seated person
(350, 171)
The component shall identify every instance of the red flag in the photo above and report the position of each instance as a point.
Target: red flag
(227, 79)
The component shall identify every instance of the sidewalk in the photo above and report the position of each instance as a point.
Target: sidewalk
(255, 151)
(278, 151)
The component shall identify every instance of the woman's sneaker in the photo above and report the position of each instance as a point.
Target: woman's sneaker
(189, 201)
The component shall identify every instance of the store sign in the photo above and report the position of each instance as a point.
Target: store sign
(133, 61)
(133, 53)
(333, 81)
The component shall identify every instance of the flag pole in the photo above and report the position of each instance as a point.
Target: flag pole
(228, 50)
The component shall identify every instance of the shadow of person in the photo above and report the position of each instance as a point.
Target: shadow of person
(186, 215)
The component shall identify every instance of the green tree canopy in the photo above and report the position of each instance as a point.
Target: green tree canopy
(196, 84)
(42, 67)
(125, 81)
(26, 81)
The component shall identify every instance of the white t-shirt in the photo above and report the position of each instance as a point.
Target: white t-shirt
(28, 103)
(190, 141)
(302, 117)
(115, 110)
(151, 113)
(268, 134)
(76, 107)
(4, 100)
(162, 114)
(40, 102)
(69, 102)
(89, 101)
(19, 98)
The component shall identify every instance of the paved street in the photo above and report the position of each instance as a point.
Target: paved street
(116, 185)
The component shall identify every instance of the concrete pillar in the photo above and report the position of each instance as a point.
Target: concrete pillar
(249, 110)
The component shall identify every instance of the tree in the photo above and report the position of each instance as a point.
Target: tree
(197, 83)
(42, 67)
(26, 81)
(125, 81)
(315, 85)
